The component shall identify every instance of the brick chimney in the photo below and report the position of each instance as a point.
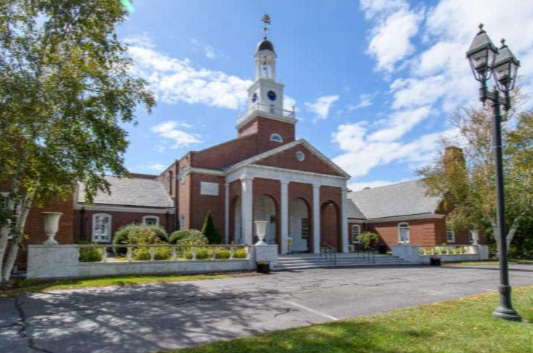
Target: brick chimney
(453, 157)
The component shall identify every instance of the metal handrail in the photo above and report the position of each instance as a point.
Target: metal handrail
(366, 253)
(329, 251)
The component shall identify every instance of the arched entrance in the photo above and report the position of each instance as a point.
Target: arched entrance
(299, 226)
(330, 227)
(265, 209)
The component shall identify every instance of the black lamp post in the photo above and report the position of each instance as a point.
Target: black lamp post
(486, 60)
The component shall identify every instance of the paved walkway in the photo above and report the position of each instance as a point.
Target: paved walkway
(164, 316)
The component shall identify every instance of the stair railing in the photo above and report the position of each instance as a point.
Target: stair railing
(329, 252)
(366, 253)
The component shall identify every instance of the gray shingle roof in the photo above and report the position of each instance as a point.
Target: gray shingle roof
(140, 192)
(402, 199)
(354, 212)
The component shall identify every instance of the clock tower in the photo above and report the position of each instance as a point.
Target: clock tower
(266, 116)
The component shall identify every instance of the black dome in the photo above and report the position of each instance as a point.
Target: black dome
(265, 45)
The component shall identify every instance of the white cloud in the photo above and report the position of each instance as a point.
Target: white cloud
(169, 130)
(157, 167)
(322, 106)
(210, 52)
(175, 80)
(399, 124)
(365, 100)
(395, 25)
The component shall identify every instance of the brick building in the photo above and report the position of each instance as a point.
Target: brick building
(263, 174)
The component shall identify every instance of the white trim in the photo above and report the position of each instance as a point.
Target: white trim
(353, 241)
(110, 227)
(260, 171)
(186, 171)
(404, 218)
(151, 216)
(453, 235)
(245, 119)
(401, 225)
(119, 208)
(276, 137)
(285, 147)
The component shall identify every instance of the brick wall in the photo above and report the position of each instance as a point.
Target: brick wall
(421, 232)
(225, 154)
(330, 211)
(201, 204)
(264, 128)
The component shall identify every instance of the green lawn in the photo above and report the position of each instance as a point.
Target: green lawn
(21, 286)
(458, 326)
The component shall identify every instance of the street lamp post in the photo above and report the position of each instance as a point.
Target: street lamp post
(486, 60)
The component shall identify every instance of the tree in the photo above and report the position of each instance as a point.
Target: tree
(210, 231)
(467, 184)
(66, 89)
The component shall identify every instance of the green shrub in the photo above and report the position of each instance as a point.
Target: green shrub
(178, 235)
(240, 254)
(137, 233)
(201, 254)
(368, 239)
(222, 253)
(210, 231)
(195, 237)
(143, 254)
(90, 255)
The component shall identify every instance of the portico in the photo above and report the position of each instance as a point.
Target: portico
(292, 202)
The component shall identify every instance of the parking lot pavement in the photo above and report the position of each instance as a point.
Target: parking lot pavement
(154, 317)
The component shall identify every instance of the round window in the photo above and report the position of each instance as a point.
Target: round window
(300, 156)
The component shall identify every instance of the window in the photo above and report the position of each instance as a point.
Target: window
(450, 236)
(276, 137)
(151, 220)
(305, 228)
(403, 232)
(356, 232)
(300, 156)
(272, 109)
(182, 222)
(102, 228)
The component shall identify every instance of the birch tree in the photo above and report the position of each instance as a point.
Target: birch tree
(467, 186)
(66, 89)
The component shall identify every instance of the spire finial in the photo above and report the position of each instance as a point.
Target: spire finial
(503, 42)
(481, 25)
(266, 21)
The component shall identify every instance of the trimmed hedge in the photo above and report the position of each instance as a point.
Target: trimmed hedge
(90, 255)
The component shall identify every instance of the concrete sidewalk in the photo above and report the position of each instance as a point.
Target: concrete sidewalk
(155, 317)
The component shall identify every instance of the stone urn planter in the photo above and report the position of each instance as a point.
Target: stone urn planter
(51, 226)
(260, 226)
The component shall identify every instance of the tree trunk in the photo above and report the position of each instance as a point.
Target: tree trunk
(512, 231)
(21, 223)
(4, 240)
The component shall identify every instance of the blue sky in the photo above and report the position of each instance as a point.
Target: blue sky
(373, 80)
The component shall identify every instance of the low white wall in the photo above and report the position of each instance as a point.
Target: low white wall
(411, 253)
(267, 253)
(61, 261)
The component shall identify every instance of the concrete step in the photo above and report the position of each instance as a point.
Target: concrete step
(302, 262)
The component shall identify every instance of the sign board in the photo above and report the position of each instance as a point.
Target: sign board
(210, 189)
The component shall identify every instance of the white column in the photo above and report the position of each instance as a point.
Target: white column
(284, 215)
(247, 209)
(226, 213)
(316, 218)
(344, 219)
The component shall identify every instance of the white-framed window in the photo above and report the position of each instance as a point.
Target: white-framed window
(276, 138)
(300, 156)
(182, 222)
(102, 228)
(272, 109)
(151, 220)
(450, 236)
(356, 232)
(403, 232)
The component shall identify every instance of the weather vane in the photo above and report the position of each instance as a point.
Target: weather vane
(266, 21)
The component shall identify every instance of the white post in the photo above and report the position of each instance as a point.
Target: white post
(247, 209)
(284, 216)
(226, 213)
(316, 218)
(344, 219)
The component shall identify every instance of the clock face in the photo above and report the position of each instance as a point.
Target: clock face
(271, 95)
(254, 97)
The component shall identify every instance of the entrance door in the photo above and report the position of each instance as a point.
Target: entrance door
(299, 226)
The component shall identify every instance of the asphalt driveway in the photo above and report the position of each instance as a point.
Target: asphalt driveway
(155, 317)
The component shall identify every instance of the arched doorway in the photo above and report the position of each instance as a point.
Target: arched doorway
(265, 209)
(330, 227)
(299, 226)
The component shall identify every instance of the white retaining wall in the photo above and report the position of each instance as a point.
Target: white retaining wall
(411, 253)
(61, 261)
